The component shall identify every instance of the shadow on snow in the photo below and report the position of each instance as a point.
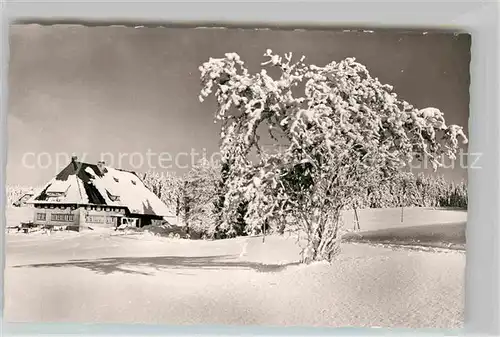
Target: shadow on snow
(128, 265)
(450, 234)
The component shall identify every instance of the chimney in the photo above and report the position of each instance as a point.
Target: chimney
(100, 166)
(73, 160)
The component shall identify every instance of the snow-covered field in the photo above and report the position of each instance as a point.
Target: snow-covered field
(384, 218)
(102, 277)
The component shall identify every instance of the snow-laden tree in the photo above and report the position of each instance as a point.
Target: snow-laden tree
(166, 186)
(404, 190)
(341, 128)
(432, 190)
(238, 225)
(458, 195)
(200, 193)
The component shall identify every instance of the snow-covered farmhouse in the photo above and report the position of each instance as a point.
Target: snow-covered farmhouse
(86, 195)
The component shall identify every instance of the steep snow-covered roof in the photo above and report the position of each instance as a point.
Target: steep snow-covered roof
(83, 183)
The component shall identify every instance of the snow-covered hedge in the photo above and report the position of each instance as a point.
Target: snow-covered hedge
(14, 192)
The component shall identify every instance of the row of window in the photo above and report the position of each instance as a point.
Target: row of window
(55, 207)
(62, 217)
(94, 218)
(100, 219)
(88, 208)
(56, 217)
(71, 218)
(107, 209)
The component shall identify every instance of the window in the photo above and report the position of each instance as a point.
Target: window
(111, 220)
(62, 217)
(156, 222)
(41, 216)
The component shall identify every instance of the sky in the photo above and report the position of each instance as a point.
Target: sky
(130, 96)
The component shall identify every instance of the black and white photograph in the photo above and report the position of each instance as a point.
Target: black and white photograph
(232, 176)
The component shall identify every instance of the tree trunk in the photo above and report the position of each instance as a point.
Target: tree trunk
(281, 229)
(356, 225)
(402, 214)
(323, 242)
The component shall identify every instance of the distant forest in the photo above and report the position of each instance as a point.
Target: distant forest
(194, 196)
